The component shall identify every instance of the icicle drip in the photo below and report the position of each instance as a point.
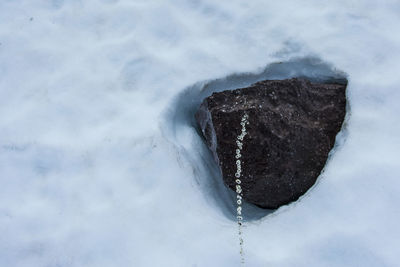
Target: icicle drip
(239, 194)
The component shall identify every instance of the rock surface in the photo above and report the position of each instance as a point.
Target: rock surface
(292, 127)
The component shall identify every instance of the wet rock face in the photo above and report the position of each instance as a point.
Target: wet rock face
(292, 127)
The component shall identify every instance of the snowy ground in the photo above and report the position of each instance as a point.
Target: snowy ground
(95, 172)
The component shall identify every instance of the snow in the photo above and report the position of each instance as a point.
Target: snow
(98, 166)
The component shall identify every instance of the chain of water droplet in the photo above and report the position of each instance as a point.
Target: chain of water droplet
(239, 193)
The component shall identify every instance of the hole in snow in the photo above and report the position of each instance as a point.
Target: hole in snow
(181, 129)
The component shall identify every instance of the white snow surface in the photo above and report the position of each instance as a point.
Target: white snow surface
(91, 174)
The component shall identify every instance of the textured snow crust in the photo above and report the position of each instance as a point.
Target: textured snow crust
(99, 168)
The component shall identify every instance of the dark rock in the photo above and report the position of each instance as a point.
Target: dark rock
(292, 127)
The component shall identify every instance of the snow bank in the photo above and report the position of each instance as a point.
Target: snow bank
(92, 173)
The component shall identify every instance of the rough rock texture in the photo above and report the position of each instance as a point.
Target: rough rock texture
(293, 125)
